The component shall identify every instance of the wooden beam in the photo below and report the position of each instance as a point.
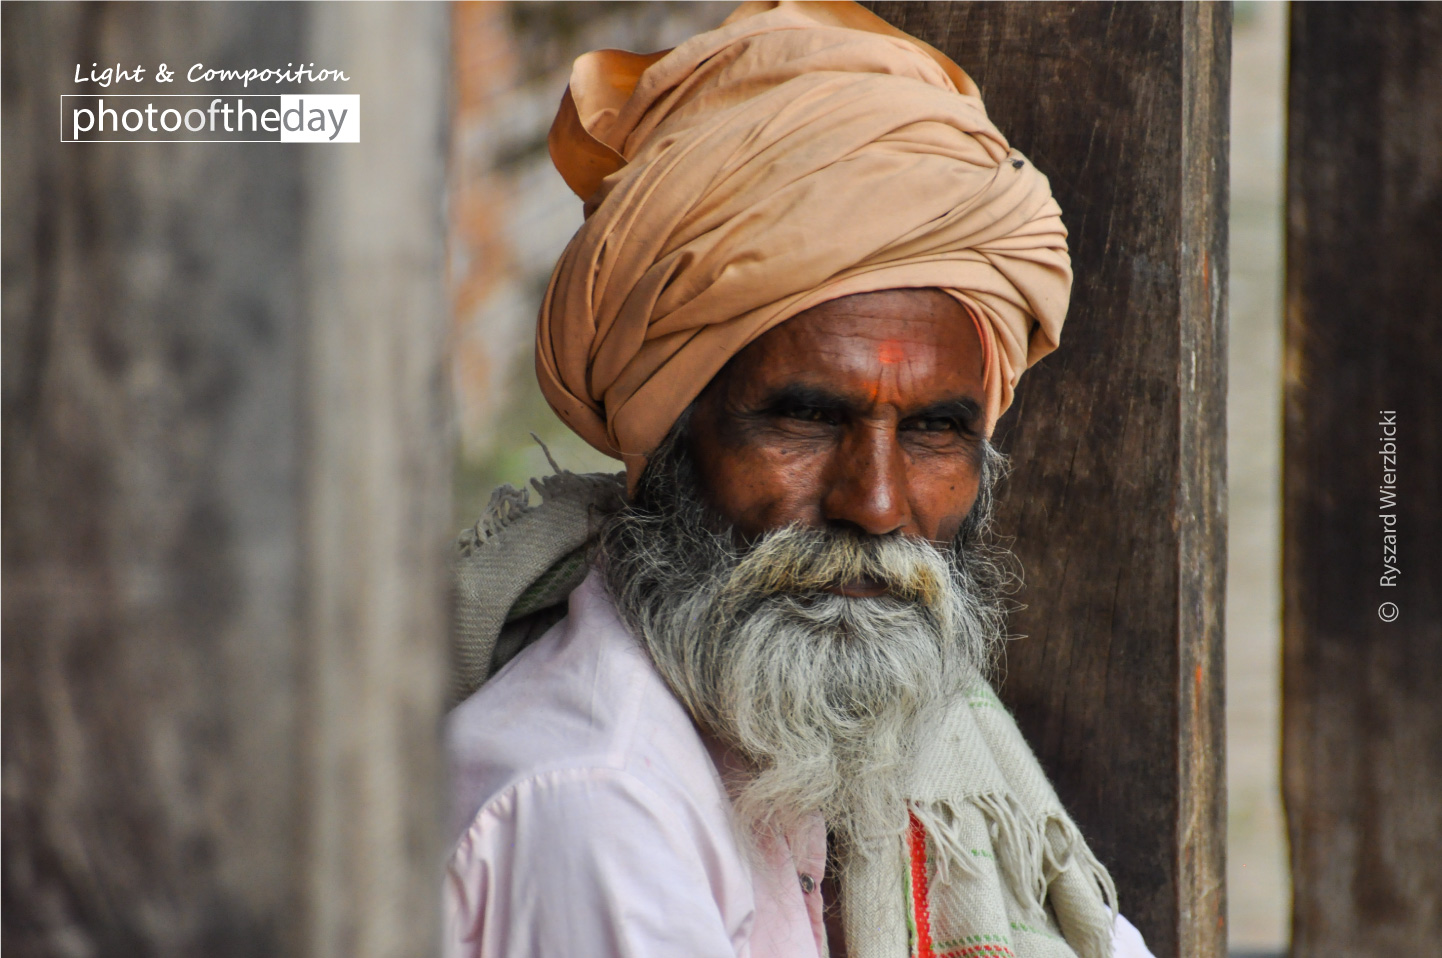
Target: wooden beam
(226, 499)
(1117, 500)
(1362, 717)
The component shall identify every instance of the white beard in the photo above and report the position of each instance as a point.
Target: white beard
(821, 694)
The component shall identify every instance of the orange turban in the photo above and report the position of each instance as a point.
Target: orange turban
(798, 153)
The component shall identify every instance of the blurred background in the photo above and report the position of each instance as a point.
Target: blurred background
(1258, 880)
(512, 216)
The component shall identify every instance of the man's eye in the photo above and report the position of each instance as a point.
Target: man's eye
(806, 414)
(936, 425)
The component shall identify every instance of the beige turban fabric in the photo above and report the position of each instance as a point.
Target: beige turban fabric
(799, 153)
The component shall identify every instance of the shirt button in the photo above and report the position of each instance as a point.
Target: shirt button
(808, 884)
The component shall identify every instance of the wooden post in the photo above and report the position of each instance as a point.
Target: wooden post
(1117, 500)
(226, 499)
(1362, 537)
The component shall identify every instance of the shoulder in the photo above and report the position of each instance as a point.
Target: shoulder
(592, 861)
(593, 826)
(584, 697)
(566, 816)
(587, 806)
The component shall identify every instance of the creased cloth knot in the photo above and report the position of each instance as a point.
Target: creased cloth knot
(799, 153)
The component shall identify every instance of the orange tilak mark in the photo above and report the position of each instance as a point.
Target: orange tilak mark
(889, 353)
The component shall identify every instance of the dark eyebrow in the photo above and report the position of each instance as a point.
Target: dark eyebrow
(959, 408)
(802, 396)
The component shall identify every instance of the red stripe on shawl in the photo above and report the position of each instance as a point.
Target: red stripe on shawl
(920, 903)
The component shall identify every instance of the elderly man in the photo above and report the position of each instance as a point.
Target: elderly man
(811, 274)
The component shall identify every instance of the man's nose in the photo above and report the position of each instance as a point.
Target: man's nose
(868, 486)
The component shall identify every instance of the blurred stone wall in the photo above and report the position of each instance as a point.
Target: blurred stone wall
(225, 498)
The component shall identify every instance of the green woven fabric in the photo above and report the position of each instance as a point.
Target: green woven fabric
(517, 563)
(552, 588)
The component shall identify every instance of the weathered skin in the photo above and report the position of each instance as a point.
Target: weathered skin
(863, 413)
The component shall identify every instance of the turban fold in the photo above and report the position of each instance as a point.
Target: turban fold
(798, 153)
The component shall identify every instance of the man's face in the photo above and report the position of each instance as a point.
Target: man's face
(864, 413)
(806, 558)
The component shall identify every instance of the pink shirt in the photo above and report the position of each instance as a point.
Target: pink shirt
(593, 821)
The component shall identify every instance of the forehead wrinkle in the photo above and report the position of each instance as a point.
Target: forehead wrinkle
(854, 370)
(858, 377)
(888, 366)
(856, 347)
(917, 331)
(813, 389)
(869, 356)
